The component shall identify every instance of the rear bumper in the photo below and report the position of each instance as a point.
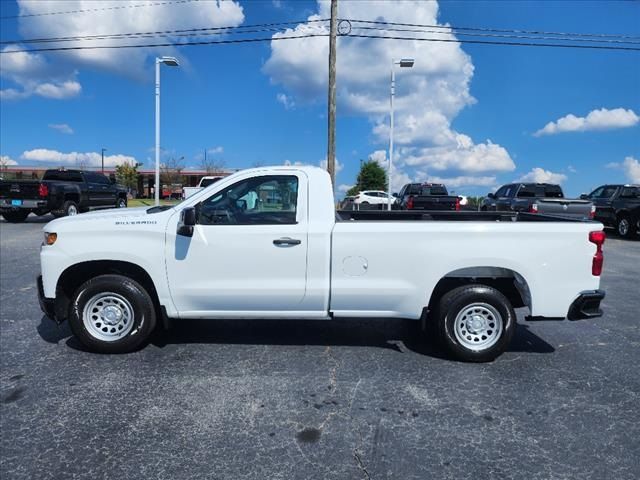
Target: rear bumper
(5, 205)
(587, 305)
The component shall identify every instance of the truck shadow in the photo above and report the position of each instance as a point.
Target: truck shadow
(34, 219)
(393, 334)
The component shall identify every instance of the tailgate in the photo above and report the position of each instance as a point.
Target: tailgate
(20, 190)
(427, 202)
(563, 206)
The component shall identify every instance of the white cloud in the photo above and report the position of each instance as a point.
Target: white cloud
(90, 159)
(632, 169)
(602, 119)
(62, 128)
(540, 175)
(33, 74)
(286, 100)
(464, 181)
(339, 166)
(343, 188)
(380, 157)
(428, 96)
(6, 160)
(215, 150)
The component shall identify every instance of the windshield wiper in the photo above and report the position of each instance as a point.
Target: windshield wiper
(159, 208)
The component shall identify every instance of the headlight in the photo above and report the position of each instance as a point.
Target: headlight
(50, 238)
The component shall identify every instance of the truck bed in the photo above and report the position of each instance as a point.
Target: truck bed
(469, 216)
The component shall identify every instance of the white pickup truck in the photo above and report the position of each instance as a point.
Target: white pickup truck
(268, 243)
(204, 183)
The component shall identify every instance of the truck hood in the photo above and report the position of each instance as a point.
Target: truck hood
(102, 218)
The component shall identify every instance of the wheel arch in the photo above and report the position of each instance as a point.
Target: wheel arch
(510, 283)
(75, 275)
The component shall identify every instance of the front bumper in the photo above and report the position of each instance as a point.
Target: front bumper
(47, 305)
(587, 305)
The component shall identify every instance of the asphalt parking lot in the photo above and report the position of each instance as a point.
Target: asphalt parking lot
(327, 400)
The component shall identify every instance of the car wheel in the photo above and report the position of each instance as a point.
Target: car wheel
(16, 217)
(624, 227)
(112, 314)
(121, 203)
(70, 208)
(475, 322)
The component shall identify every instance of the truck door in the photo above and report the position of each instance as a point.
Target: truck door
(248, 252)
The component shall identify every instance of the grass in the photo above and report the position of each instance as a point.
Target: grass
(149, 202)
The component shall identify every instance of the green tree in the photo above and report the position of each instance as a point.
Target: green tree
(127, 175)
(371, 177)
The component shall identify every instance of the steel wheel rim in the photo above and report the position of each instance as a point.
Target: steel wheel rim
(108, 316)
(121, 203)
(478, 326)
(623, 226)
(72, 210)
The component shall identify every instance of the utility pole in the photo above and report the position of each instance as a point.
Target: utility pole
(103, 150)
(331, 149)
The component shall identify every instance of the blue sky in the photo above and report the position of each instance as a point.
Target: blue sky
(473, 116)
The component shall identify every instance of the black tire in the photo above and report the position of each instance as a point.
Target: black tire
(18, 216)
(487, 302)
(133, 335)
(70, 209)
(625, 227)
(121, 203)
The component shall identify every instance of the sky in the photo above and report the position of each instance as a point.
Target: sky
(471, 116)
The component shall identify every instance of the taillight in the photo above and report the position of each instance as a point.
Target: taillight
(43, 190)
(410, 203)
(457, 204)
(592, 213)
(598, 259)
(533, 208)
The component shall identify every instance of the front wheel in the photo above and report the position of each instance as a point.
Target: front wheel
(476, 322)
(18, 216)
(112, 314)
(121, 203)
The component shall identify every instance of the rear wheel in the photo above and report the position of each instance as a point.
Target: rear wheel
(475, 322)
(18, 216)
(112, 314)
(70, 209)
(625, 227)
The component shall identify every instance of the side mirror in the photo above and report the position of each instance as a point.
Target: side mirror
(187, 222)
(491, 196)
(241, 205)
(395, 194)
(584, 196)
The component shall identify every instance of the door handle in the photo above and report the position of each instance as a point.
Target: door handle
(286, 241)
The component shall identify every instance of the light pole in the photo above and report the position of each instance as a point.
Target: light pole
(404, 63)
(103, 150)
(171, 62)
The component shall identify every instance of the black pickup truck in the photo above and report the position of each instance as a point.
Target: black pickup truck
(61, 192)
(617, 206)
(426, 196)
(544, 198)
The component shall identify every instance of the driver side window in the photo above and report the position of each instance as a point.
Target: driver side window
(266, 200)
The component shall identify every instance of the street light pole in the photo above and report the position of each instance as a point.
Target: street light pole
(103, 150)
(404, 63)
(172, 62)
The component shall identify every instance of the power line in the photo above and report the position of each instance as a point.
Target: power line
(168, 44)
(382, 37)
(87, 10)
(162, 33)
(497, 30)
(499, 35)
(490, 42)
